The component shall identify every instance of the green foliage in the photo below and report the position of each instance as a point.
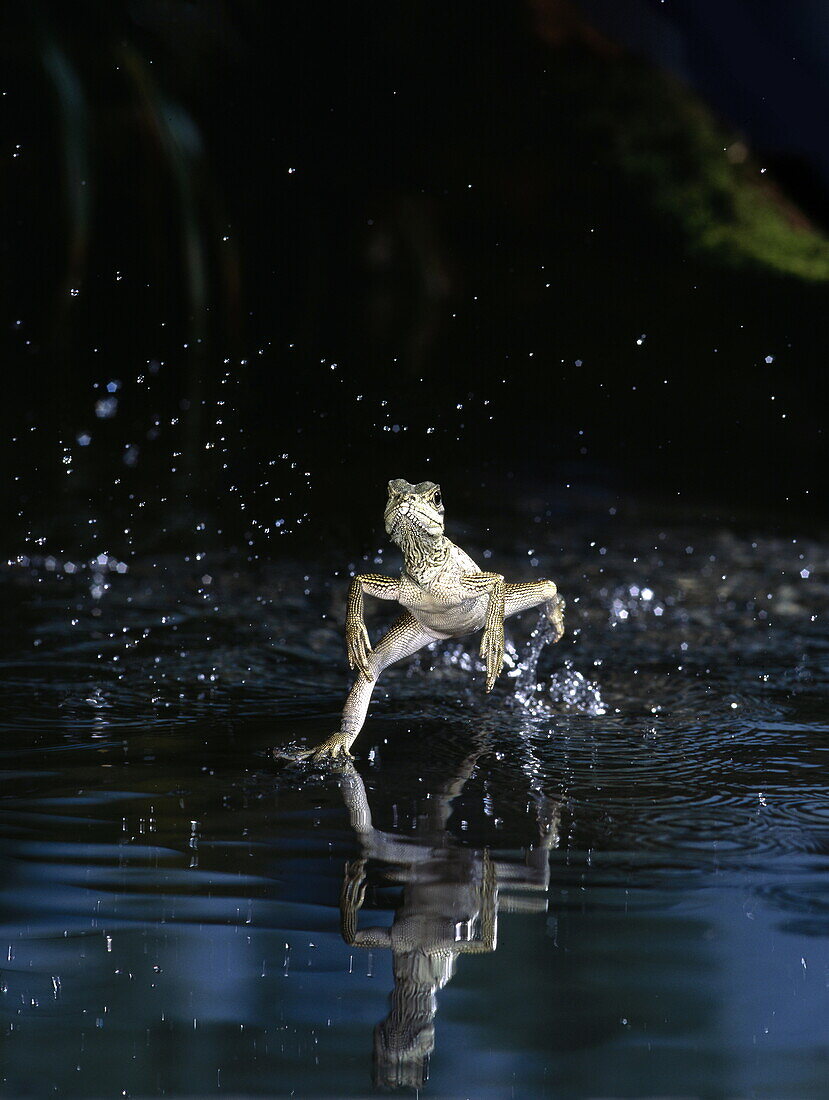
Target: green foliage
(704, 179)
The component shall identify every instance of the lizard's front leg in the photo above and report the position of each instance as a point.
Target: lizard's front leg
(492, 640)
(357, 643)
(519, 597)
(352, 896)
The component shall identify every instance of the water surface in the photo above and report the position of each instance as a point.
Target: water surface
(610, 877)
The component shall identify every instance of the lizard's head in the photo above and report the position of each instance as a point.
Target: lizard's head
(413, 511)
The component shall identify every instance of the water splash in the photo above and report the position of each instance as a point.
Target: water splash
(567, 688)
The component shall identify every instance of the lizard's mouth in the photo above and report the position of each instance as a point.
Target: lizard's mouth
(410, 520)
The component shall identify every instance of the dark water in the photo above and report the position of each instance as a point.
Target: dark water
(648, 830)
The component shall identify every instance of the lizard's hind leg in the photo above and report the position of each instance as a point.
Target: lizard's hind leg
(405, 637)
(519, 597)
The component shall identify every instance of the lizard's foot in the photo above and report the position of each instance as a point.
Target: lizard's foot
(492, 652)
(333, 749)
(555, 615)
(358, 647)
(354, 884)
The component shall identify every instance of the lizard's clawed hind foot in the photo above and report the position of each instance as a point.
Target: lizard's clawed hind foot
(555, 616)
(333, 750)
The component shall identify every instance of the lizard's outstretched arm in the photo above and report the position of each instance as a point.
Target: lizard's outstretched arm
(518, 597)
(492, 640)
(357, 643)
(352, 896)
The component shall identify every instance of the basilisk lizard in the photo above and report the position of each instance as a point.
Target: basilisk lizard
(444, 594)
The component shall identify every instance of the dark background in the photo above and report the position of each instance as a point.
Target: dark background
(313, 246)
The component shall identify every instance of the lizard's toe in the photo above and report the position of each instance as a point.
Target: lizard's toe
(291, 756)
(334, 750)
(555, 616)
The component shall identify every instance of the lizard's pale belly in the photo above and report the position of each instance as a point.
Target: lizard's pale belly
(442, 611)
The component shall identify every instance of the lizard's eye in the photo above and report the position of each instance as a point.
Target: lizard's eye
(436, 500)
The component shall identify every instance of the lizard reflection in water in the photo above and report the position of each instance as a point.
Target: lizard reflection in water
(449, 908)
(444, 595)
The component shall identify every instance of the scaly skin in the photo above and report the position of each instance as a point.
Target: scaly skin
(448, 908)
(444, 595)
